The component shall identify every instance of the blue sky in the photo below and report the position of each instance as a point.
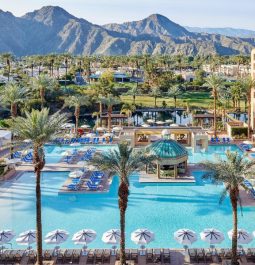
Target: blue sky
(216, 13)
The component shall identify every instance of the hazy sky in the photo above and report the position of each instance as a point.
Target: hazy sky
(210, 13)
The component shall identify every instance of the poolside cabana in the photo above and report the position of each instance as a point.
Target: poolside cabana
(171, 157)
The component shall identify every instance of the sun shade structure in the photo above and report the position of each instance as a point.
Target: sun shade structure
(171, 157)
(27, 238)
(111, 237)
(142, 236)
(185, 236)
(56, 237)
(212, 236)
(84, 237)
(6, 236)
(243, 237)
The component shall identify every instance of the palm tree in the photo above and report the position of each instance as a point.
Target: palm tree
(123, 161)
(155, 93)
(215, 83)
(128, 109)
(246, 84)
(77, 101)
(110, 101)
(174, 91)
(40, 128)
(12, 94)
(232, 173)
(7, 57)
(41, 84)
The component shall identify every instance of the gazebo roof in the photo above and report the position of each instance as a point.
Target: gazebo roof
(167, 149)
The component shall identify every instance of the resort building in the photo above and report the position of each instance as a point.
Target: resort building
(253, 90)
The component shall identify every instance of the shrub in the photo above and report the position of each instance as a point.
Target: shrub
(239, 132)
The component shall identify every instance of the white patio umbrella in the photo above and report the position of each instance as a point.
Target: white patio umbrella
(150, 121)
(185, 236)
(212, 236)
(142, 236)
(247, 142)
(160, 122)
(90, 135)
(100, 129)
(75, 144)
(75, 174)
(243, 237)
(68, 125)
(174, 125)
(66, 153)
(27, 238)
(146, 125)
(12, 161)
(108, 135)
(117, 129)
(111, 237)
(85, 126)
(56, 237)
(6, 236)
(27, 141)
(169, 121)
(84, 237)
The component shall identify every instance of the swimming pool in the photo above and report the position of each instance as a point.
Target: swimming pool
(53, 153)
(162, 208)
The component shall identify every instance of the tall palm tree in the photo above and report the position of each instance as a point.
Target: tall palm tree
(246, 84)
(110, 101)
(41, 84)
(215, 83)
(128, 109)
(40, 128)
(123, 161)
(232, 173)
(77, 101)
(155, 93)
(12, 94)
(174, 91)
(7, 57)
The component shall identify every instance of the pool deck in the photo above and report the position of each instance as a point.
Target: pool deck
(177, 257)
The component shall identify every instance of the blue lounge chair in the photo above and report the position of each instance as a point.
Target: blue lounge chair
(103, 141)
(92, 186)
(73, 187)
(217, 140)
(16, 154)
(212, 140)
(228, 140)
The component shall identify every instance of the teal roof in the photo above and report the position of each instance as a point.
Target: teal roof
(167, 149)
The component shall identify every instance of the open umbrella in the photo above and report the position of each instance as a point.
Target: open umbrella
(27, 238)
(101, 129)
(146, 125)
(108, 135)
(75, 174)
(160, 122)
(111, 237)
(142, 236)
(90, 135)
(212, 236)
(6, 236)
(12, 161)
(243, 237)
(75, 144)
(85, 126)
(116, 129)
(248, 142)
(169, 121)
(84, 237)
(56, 237)
(185, 236)
(150, 121)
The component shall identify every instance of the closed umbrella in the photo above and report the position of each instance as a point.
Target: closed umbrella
(243, 237)
(56, 237)
(27, 238)
(212, 236)
(185, 236)
(84, 237)
(142, 237)
(6, 236)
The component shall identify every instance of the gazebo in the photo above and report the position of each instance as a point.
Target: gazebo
(171, 157)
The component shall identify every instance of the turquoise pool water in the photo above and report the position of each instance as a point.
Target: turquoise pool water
(53, 153)
(162, 208)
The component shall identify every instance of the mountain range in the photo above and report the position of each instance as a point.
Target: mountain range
(51, 29)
